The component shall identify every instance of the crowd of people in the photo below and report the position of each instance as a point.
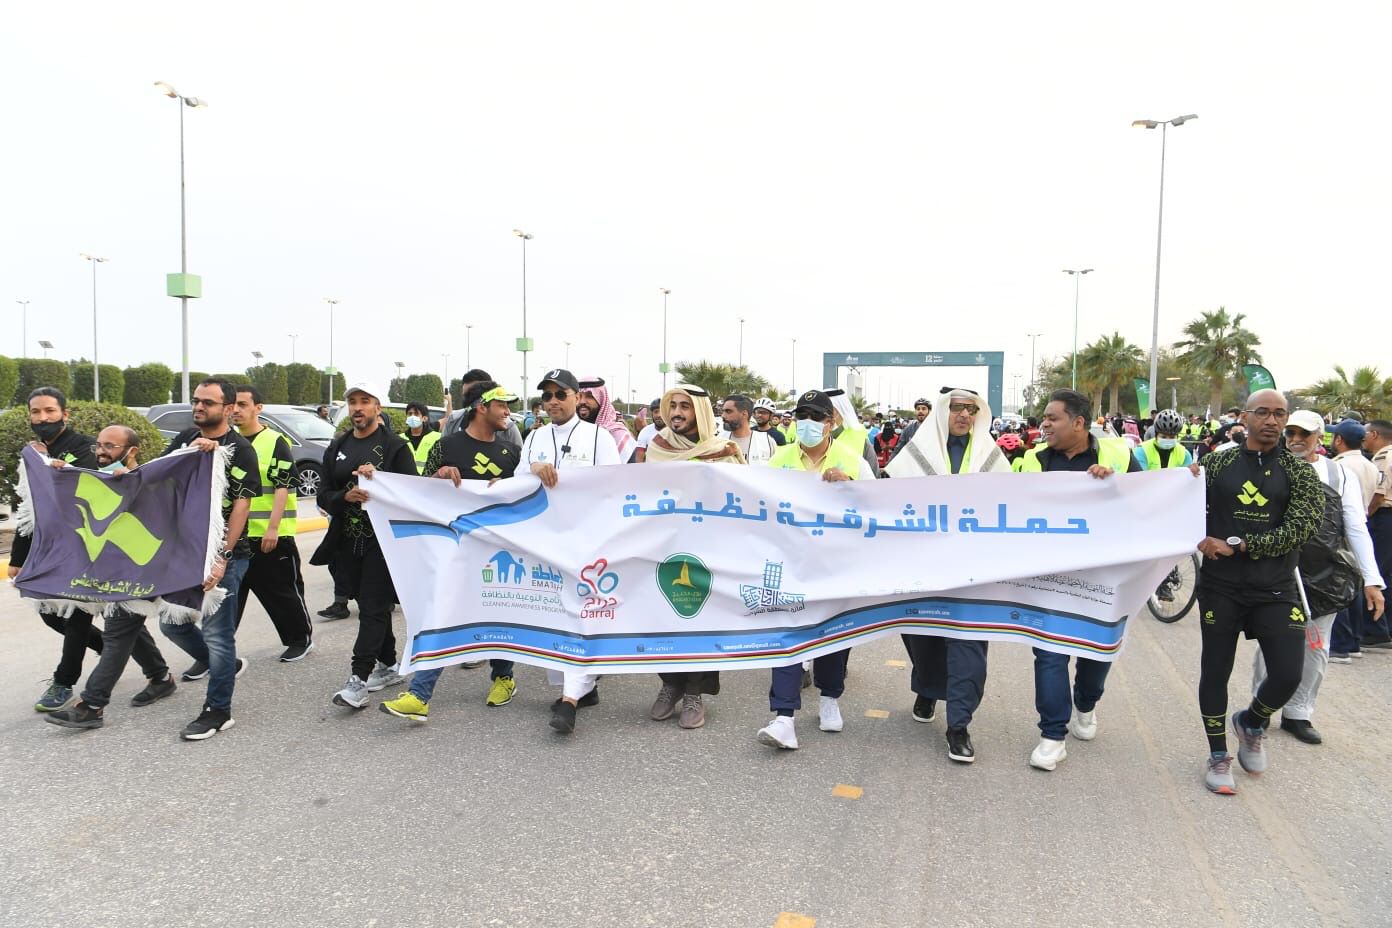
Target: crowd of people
(1277, 498)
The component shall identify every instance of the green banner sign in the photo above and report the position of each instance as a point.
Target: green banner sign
(1258, 378)
(1142, 396)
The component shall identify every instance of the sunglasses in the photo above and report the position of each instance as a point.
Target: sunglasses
(971, 408)
(814, 414)
(548, 396)
(1295, 431)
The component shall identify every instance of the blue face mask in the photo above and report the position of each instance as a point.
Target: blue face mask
(810, 432)
(113, 467)
(413, 422)
(1165, 444)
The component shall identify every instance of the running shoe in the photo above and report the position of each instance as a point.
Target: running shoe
(198, 671)
(1083, 725)
(924, 709)
(501, 691)
(79, 716)
(562, 717)
(154, 691)
(1047, 754)
(693, 711)
(337, 611)
(383, 676)
(666, 702)
(209, 722)
(53, 698)
(1218, 777)
(296, 652)
(353, 695)
(780, 733)
(1251, 753)
(959, 746)
(830, 715)
(407, 706)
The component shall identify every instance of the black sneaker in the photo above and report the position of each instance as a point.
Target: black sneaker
(563, 717)
(1302, 730)
(589, 699)
(154, 691)
(1376, 641)
(336, 611)
(80, 715)
(296, 652)
(208, 723)
(198, 671)
(925, 710)
(959, 746)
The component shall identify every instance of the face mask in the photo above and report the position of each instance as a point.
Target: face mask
(810, 433)
(47, 431)
(413, 422)
(113, 467)
(1165, 444)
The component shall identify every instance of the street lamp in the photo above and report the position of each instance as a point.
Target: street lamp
(795, 386)
(257, 366)
(567, 355)
(45, 345)
(293, 336)
(1174, 391)
(468, 346)
(96, 366)
(1034, 338)
(664, 366)
(1077, 276)
(524, 344)
(446, 357)
(183, 285)
(741, 343)
(24, 327)
(400, 375)
(1159, 228)
(330, 370)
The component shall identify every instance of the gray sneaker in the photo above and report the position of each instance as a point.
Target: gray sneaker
(53, 698)
(383, 676)
(1218, 778)
(1250, 752)
(666, 702)
(353, 695)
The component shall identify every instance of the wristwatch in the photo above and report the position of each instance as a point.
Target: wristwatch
(225, 554)
(1233, 542)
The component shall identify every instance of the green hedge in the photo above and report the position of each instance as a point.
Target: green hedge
(113, 382)
(304, 384)
(423, 388)
(148, 384)
(397, 417)
(86, 418)
(9, 378)
(273, 382)
(40, 372)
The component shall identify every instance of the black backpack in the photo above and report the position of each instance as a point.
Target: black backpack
(1328, 570)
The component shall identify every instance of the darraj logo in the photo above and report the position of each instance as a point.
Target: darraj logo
(770, 597)
(95, 503)
(1250, 494)
(685, 582)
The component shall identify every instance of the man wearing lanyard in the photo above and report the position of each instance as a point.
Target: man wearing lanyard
(565, 443)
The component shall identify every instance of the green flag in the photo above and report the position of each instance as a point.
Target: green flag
(1258, 378)
(1143, 406)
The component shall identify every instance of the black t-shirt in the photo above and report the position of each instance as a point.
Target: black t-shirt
(243, 475)
(1051, 461)
(76, 450)
(474, 459)
(381, 449)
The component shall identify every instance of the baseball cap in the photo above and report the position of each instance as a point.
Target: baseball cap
(364, 386)
(1351, 432)
(498, 393)
(1307, 419)
(561, 377)
(815, 399)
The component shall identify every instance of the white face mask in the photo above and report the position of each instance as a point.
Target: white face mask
(1165, 444)
(413, 422)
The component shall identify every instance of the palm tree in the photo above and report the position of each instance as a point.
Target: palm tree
(1216, 346)
(1366, 393)
(1110, 362)
(721, 380)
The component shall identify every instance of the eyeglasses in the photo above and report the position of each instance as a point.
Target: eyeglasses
(1278, 414)
(813, 414)
(105, 446)
(970, 408)
(547, 396)
(200, 402)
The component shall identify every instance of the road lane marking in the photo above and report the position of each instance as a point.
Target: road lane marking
(843, 791)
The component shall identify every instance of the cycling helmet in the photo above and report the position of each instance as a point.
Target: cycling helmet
(1168, 421)
(764, 403)
(1009, 441)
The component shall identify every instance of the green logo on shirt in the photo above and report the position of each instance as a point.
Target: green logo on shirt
(1250, 494)
(484, 466)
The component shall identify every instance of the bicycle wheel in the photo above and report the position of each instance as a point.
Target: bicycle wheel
(1182, 587)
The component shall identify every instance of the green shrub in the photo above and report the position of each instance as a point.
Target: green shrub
(304, 384)
(113, 382)
(40, 372)
(9, 378)
(147, 385)
(423, 388)
(273, 382)
(397, 417)
(85, 417)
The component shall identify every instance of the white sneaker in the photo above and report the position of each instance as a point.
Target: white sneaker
(831, 715)
(1083, 725)
(780, 733)
(382, 677)
(1048, 754)
(353, 695)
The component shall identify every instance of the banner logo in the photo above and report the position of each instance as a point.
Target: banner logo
(1250, 494)
(685, 582)
(126, 532)
(770, 597)
(520, 510)
(597, 583)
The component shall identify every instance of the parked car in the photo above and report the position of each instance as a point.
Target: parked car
(436, 412)
(307, 434)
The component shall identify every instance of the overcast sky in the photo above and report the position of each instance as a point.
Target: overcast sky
(858, 176)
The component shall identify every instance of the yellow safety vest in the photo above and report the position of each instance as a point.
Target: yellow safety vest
(1152, 455)
(422, 450)
(259, 519)
(789, 457)
(852, 439)
(1111, 452)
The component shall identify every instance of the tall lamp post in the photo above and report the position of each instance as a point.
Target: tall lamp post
(741, 343)
(1164, 125)
(96, 366)
(1033, 377)
(446, 357)
(1077, 276)
(468, 346)
(795, 386)
(567, 355)
(183, 285)
(293, 336)
(664, 366)
(24, 327)
(400, 375)
(524, 344)
(1174, 392)
(330, 370)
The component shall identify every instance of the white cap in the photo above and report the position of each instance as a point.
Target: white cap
(1307, 419)
(364, 386)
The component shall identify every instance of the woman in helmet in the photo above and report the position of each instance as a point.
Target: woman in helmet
(1164, 450)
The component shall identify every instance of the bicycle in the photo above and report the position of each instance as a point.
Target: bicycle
(1175, 595)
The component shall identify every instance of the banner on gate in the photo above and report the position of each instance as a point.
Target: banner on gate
(702, 567)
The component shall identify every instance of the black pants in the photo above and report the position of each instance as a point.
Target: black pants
(78, 635)
(828, 676)
(949, 669)
(361, 564)
(704, 683)
(124, 636)
(1279, 629)
(276, 580)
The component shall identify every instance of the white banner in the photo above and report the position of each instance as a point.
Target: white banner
(636, 569)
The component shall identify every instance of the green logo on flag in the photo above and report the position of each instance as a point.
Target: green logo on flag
(125, 531)
(685, 581)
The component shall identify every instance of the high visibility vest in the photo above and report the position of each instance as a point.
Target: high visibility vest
(422, 451)
(789, 457)
(259, 518)
(1111, 452)
(1152, 455)
(853, 440)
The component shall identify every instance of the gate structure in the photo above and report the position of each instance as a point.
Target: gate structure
(993, 361)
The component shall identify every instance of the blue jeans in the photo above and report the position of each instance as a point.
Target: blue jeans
(215, 644)
(423, 681)
(1052, 698)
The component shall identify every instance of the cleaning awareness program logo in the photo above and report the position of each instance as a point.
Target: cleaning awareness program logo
(685, 582)
(509, 582)
(770, 597)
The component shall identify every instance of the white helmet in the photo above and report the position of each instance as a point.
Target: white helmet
(764, 403)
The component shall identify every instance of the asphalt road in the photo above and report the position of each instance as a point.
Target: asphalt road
(307, 815)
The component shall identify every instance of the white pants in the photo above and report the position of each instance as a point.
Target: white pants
(1302, 704)
(573, 685)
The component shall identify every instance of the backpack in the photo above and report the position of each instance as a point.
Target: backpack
(1328, 570)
